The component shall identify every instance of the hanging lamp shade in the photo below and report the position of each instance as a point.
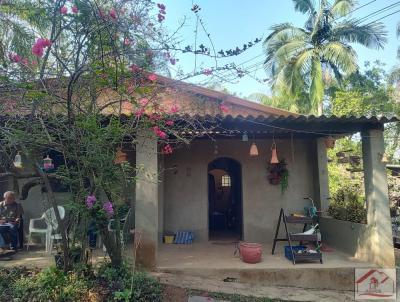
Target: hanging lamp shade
(274, 157)
(253, 150)
(48, 163)
(18, 161)
(120, 157)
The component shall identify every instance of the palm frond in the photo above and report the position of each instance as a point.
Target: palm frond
(342, 7)
(304, 6)
(342, 56)
(372, 35)
(284, 29)
(317, 83)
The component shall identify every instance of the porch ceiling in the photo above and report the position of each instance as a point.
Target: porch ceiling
(283, 126)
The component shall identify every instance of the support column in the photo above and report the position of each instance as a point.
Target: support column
(377, 244)
(146, 208)
(323, 175)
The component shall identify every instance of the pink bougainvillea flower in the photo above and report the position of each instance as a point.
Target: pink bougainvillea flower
(41, 42)
(224, 108)
(174, 109)
(74, 9)
(161, 6)
(14, 58)
(113, 14)
(90, 201)
(207, 72)
(25, 61)
(144, 102)
(161, 134)
(38, 47)
(64, 10)
(108, 207)
(127, 41)
(155, 117)
(37, 51)
(167, 149)
(34, 63)
(135, 68)
(152, 77)
(139, 112)
(169, 123)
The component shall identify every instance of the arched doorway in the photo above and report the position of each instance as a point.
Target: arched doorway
(225, 199)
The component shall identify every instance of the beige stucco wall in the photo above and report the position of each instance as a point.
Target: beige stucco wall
(186, 189)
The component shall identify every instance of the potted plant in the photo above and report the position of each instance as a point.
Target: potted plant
(279, 175)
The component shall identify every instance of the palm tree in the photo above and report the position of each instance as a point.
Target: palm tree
(303, 59)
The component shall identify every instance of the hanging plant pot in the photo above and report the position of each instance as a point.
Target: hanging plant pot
(330, 142)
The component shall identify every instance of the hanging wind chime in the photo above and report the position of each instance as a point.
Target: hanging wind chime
(48, 163)
(18, 161)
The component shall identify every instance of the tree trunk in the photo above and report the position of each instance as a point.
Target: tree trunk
(61, 226)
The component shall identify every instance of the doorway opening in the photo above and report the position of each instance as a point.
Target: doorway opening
(225, 199)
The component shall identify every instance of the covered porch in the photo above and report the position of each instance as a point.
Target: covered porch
(173, 192)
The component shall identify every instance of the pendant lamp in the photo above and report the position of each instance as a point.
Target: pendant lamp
(253, 150)
(274, 156)
(120, 157)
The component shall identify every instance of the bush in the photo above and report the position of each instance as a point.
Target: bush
(51, 284)
(127, 287)
(347, 204)
(8, 277)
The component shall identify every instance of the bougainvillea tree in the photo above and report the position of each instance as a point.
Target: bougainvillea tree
(78, 79)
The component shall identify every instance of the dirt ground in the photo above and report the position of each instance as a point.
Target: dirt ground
(174, 294)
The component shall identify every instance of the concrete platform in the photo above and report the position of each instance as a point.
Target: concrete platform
(218, 260)
(38, 258)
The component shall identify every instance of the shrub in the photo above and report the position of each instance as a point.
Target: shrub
(347, 204)
(128, 287)
(50, 284)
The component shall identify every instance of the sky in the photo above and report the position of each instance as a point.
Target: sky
(232, 23)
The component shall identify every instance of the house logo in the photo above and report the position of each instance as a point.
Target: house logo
(375, 284)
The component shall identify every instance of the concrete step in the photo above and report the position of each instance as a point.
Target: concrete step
(213, 284)
(309, 278)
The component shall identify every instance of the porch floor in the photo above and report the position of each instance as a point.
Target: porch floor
(220, 255)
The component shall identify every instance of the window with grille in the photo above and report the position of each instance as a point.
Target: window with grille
(226, 181)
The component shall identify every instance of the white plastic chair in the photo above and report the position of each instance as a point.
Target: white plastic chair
(49, 217)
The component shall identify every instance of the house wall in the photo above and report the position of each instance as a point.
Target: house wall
(346, 236)
(186, 188)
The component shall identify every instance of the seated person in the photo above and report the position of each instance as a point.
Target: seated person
(10, 217)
